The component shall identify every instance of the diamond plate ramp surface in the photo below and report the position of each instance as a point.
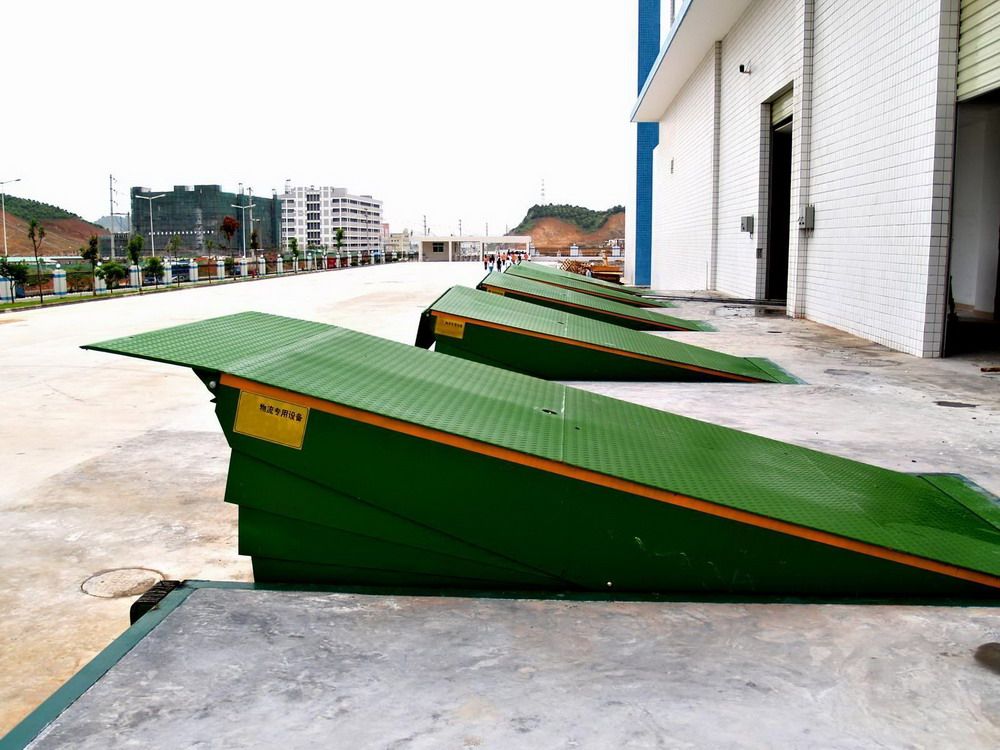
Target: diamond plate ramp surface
(534, 340)
(593, 439)
(589, 306)
(578, 283)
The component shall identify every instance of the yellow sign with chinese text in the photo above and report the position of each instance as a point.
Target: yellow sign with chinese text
(449, 327)
(270, 419)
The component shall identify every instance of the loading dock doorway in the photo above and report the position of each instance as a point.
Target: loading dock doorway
(779, 209)
(974, 260)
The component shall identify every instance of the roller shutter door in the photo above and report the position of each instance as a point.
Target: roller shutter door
(978, 48)
(781, 108)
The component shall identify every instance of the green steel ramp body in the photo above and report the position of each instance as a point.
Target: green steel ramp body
(577, 283)
(542, 268)
(587, 305)
(557, 345)
(360, 460)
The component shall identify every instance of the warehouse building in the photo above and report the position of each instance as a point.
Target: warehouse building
(842, 156)
(195, 214)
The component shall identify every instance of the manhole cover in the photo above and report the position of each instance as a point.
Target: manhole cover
(112, 584)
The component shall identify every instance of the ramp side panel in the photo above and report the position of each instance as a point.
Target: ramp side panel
(556, 360)
(258, 485)
(541, 268)
(583, 287)
(586, 305)
(554, 523)
(810, 489)
(642, 354)
(561, 431)
(270, 535)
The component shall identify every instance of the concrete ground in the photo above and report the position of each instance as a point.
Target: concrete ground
(114, 464)
(348, 671)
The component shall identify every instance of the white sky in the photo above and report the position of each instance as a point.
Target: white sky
(452, 109)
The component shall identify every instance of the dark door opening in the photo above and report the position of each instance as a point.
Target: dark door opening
(779, 211)
(973, 315)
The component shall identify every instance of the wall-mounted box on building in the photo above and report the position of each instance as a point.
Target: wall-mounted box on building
(746, 224)
(808, 218)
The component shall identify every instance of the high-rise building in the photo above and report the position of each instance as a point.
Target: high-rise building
(312, 216)
(195, 214)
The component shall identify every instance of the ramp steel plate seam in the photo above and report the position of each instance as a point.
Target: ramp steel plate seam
(596, 347)
(666, 324)
(611, 482)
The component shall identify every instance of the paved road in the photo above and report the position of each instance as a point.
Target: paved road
(115, 463)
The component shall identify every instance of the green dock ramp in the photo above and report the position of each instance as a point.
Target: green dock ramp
(543, 268)
(587, 305)
(364, 461)
(558, 345)
(584, 284)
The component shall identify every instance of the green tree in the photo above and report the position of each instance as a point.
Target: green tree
(36, 233)
(113, 274)
(174, 245)
(154, 267)
(293, 245)
(254, 241)
(134, 248)
(338, 239)
(92, 254)
(134, 251)
(16, 272)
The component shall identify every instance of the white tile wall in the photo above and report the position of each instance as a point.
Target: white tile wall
(880, 172)
(872, 143)
(768, 38)
(682, 201)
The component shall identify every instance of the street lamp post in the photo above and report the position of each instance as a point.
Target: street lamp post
(152, 242)
(243, 234)
(3, 211)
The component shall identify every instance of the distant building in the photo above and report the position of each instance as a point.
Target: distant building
(400, 242)
(195, 214)
(312, 216)
(469, 247)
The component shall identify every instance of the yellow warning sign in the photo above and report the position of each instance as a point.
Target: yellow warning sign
(270, 419)
(449, 327)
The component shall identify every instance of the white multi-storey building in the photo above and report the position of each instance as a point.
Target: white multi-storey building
(312, 216)
(842, 155)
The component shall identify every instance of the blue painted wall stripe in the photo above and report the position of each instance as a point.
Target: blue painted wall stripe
(647, 138)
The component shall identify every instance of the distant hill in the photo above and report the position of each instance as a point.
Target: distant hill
(557, 226)
(585, 219)
(28, 209)
(65, 231)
